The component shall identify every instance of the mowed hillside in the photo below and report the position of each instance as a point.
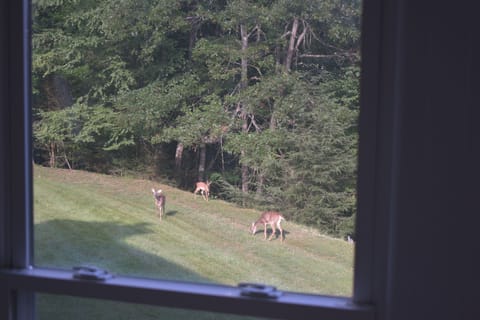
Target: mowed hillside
(87, 218)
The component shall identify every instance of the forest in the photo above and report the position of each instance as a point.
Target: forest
(259, 97)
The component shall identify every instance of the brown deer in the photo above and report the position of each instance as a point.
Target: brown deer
(160, 200)
(204, 189)
(272, 218)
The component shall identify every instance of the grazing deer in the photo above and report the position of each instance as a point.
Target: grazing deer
(160, 200)
(204, 189)
(272, 218)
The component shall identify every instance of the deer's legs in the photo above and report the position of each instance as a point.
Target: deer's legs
(274, 231)
(280, 228)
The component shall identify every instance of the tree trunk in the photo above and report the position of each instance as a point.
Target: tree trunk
(201, 165)
(58, 92)
(178, 161)
(243, 114)
(273, 121)
(244, 63)
(52, 155)
(260, 183)
(195, 26)
(178, 156)
(291, 46)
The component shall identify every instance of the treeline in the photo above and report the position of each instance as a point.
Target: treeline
(260, 97)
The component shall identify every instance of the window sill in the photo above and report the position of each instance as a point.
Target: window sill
(207, 297)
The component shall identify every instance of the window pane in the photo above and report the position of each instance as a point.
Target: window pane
(53, 307)
(256, 101)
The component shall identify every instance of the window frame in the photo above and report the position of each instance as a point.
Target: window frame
(19, 279)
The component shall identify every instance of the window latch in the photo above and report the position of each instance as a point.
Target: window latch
(256, 290)
(91, 273)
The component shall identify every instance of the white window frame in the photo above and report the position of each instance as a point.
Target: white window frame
(20, 280)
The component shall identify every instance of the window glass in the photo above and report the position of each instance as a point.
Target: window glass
(231, 109)
(53, 307)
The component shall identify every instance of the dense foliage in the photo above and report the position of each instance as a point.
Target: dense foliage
(260, 97)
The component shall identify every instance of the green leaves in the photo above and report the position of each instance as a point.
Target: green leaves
(205, 123)
(79, 129)
(271, 106)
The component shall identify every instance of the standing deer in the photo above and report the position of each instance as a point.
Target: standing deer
(272, 218)
(160, 200)
(204, 189)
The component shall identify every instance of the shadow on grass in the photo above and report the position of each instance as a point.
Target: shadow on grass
(64, 243)
(275, 236)
(171, 213)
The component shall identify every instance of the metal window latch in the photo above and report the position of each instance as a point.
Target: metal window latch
(255, 290)
(91, 273)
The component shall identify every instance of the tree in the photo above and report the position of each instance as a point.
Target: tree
(198, 127)
(263, 92)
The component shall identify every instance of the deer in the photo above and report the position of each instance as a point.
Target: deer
(160, 200)
(204, 189)
(272, 218)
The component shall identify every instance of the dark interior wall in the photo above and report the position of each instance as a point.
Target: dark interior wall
(433, 263)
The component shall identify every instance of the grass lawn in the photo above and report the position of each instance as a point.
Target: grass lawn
(87, 218)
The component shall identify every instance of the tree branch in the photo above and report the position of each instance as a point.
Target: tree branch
(328, 56)
(301, 37)
(252, 118)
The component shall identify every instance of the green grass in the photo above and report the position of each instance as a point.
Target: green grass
(111, 222)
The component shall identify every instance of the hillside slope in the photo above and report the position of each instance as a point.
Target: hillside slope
(83, 217)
